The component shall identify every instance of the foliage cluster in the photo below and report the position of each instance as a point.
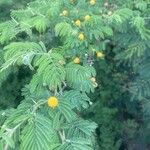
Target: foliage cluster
(64, 50)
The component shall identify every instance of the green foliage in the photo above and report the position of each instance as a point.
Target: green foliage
(42, 126)
(44, 37)
(79, 77)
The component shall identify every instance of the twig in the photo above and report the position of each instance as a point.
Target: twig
(62, 136)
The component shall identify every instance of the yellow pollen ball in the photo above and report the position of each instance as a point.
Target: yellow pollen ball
(100, 55)
(87, 18)
(65, 13)
(81, 37)
(76, 60)
(92, 2)
(78, 23)
(52, 102)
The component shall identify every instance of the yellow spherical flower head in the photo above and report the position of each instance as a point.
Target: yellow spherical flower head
(76, 60)
(81, 37)
(78, 23)
(92, 2)
(52, 102)
(87, 18)
(65, 13)
(99, 55)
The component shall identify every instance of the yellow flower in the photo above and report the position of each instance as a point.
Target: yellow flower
(92, 2)
(76, 60)
(100, 55)
(87, 18)
(81, 37)
(78, 23)
(52, 102)
(65, 13)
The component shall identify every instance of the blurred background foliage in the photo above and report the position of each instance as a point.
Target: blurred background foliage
(7, 5)
(10, 90)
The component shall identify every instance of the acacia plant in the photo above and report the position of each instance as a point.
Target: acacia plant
(59, 42)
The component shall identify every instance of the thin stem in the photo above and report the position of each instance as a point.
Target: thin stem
(62, 136)
(12, 132)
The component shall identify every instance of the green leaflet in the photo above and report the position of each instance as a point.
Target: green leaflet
(21, 48)
(80, 128)
(76, 144)
(8, 31)
(63, 29)
(50, 70)
(20, 53)
(38, 134)
(127, 21)
(40, 23)
(77, 99)
(66, 111)
(132, 54)
(79, 76)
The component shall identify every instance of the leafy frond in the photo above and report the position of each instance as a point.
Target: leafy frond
(141, 5)
(77, 99)
(38, 134)
(120, 16)
(76, 144)
(78, 77)
(81, 128)
(139, 24)
(140, 89)
(20, 52)
(63, 29)
(133, 54)
(8, 31)
(66, 110)
(40, 23)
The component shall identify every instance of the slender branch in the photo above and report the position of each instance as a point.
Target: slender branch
(15, 20)
(62, 136)
(12, 131)
(37, 105)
